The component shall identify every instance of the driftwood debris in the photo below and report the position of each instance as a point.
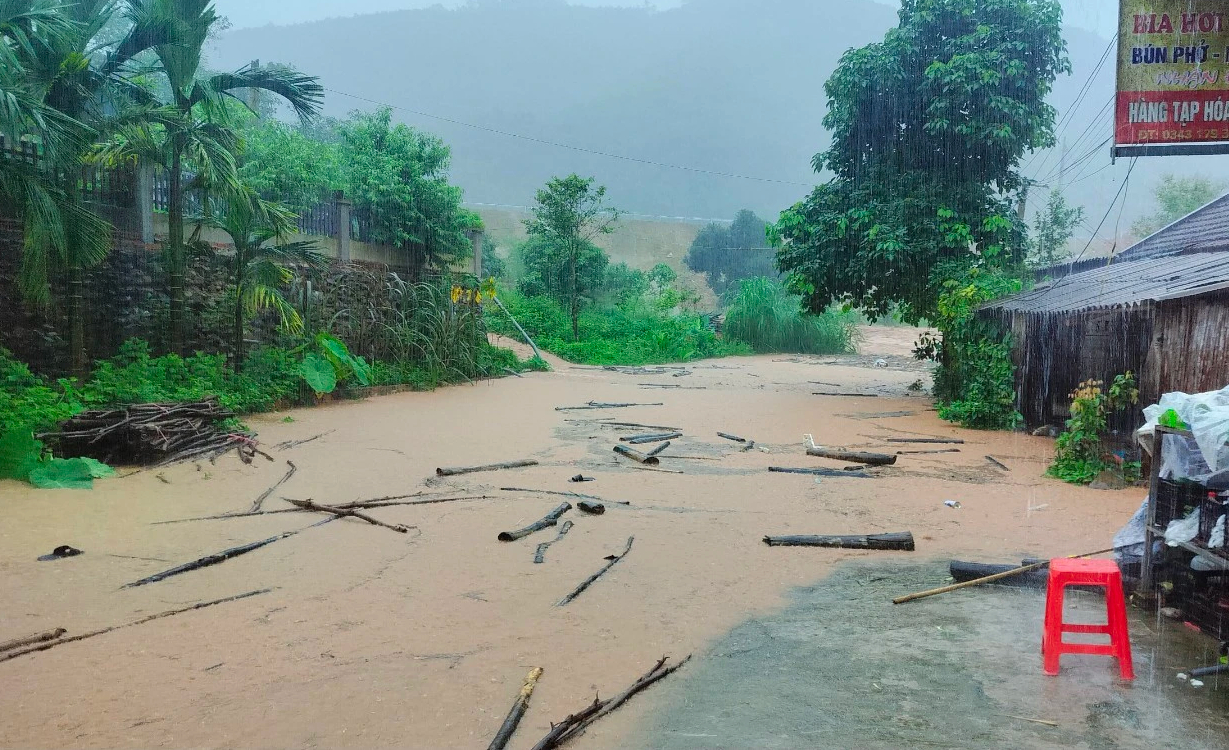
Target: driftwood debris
(47, 635)
(575, 724)
(222, 556)
(452, 472)
(639, 457)
(658, 450)
(990, 578)
(902, 540)
(594, 509)
(288, 444)
(613, 560)
(550, 519)
(261, 500)
(626, 425)
(565, 494)
(513, 373)
(518, 711)
(151, 434)
(821, 472)
(956, 441)
(201, 605)
(539, 555)
(600, 405)
(852, 395)
(930, 452)
(382, 502)
(735, 438)
(348, 512)
(873, 459)
(997, 463)
(642, 439)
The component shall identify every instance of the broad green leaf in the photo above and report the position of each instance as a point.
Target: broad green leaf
(98, 470)
(19, 454)
(319, 373)
(63, 474)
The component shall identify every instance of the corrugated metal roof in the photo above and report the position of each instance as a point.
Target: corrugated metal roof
(1204, 228)
(1125, 284)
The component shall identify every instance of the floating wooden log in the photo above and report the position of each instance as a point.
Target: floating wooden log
(600, 405)
(222, 556)
(997, 463)
(539, 555)
(578, 495)
(820, 472)
(288, 444)
(261, 500)
(452, 472)
(575, 724)
(658, 450)
(642, 439)
(989, 579)
(550, 519)
(873, 459)
(629, 425)
(46, 635)
(613, 560)
(902, 540)
(956, 441)
(922, 453)
(595, 509)
(350, 512)
(735, 438)
(852, 395)
(518, 711)
(142, 621)
(637, 456)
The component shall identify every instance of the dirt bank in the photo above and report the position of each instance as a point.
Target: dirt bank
(373, 639)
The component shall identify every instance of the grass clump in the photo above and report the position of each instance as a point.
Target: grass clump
(768, 319)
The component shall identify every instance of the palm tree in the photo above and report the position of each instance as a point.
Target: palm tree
(87, 74)
(263, 261)
(196, 122)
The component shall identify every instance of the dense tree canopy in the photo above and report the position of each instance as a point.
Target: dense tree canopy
(928, 127)
(729, 254)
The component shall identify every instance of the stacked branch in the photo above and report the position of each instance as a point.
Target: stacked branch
(147, 434)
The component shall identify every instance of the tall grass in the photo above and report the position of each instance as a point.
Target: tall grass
(769, 319)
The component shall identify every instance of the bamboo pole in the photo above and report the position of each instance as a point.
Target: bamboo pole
(991, 579)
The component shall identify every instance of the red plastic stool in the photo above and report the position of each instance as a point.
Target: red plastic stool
(1068, 572)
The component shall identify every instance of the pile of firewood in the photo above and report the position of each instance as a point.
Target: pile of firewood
(151, 434)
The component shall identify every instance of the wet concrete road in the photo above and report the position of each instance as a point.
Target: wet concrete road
(842, 667)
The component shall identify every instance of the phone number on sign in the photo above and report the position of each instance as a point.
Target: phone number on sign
(1189, 134)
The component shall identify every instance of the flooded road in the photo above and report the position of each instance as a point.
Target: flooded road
(376, 639)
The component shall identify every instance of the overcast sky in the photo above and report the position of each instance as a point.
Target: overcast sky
(1095, 15)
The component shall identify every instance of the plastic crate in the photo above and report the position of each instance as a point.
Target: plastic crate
(1176, 499)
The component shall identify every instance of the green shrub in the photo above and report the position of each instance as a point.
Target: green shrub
(1078, 451)
(769, 319)
(28, 402)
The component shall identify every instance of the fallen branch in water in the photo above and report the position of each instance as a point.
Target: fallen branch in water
(922, 453)
(142, 621)
(628, 424)
(550, 519)
(614, 559)
(874, 459)
(894, 541)
(997, 463)
(854, 395)
(575, 724)
(518, 711)
(600, 405)
(261, 500)
(344, 512)
(658, 449)
(446, 472)
(222, 556)
(637, 456)
(565, 494)
(956, 441)
(821, 472)
(382, 502)
(735, 438)
(641, 439)
(287, 445)
(48, 635)
(539, 555)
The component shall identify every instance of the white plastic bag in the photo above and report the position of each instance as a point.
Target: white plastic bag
(1182, 529)
(1208, 417)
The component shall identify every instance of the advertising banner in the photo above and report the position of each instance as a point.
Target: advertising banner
(1173, 78)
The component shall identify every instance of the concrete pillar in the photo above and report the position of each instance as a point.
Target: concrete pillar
(343, 226)
(476, 237)
(145, 201)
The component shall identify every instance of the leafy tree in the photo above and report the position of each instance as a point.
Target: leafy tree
(928, 127)
(1052, 229)
(728, 255)
(262, 262)
(493, 265)
(570, 213)
(398, 180)
(1176, 197)
(196, 126)
(298, 166)
(547, 270)
(624, 284)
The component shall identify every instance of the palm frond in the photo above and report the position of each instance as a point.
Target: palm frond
(304, 93)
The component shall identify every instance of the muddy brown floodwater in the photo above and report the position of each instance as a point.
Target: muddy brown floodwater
(376, 639)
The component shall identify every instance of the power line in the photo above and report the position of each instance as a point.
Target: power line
(1071, 265)
(570, 147)
(1079, 99)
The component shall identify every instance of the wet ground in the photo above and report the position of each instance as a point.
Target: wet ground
(844, 667)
